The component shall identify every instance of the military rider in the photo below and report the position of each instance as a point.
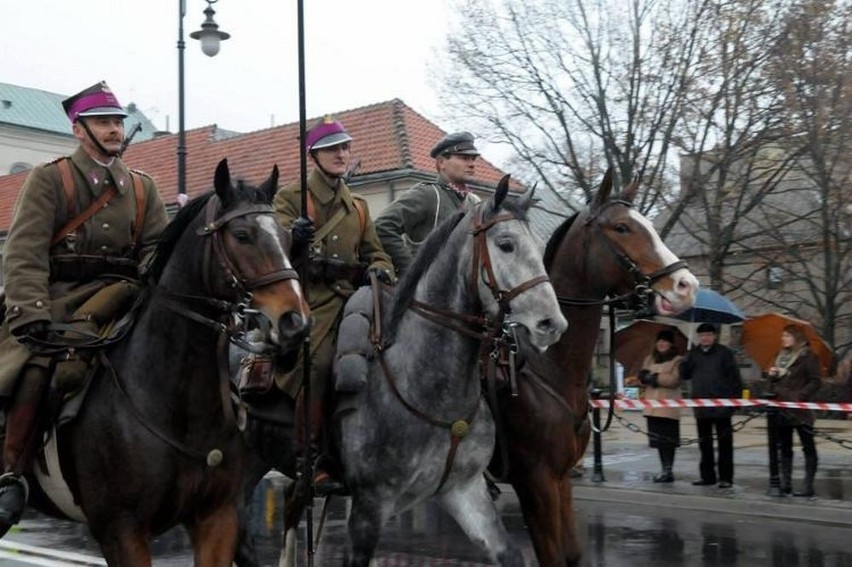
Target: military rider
(342, 249)
(52, 268)
(406, 222)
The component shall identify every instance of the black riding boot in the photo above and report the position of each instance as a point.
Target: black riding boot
(19, 445)
(786, 463)
(810, 471)
(666, 461)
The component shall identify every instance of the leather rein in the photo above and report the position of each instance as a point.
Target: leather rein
(237, 316)
(494, 333)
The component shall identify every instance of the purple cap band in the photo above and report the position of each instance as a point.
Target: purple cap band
(100, 103)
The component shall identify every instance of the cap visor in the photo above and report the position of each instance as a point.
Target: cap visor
(332, 140)
(104, 111)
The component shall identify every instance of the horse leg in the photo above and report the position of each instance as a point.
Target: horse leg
(214, 537)
(571, 550)
(473, 509)
(124, 547)
(540, 496)
(364, 528)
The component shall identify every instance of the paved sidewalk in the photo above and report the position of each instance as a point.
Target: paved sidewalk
(629, 466)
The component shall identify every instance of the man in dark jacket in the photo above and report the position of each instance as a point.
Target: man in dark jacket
(406, 222)
(713, 372)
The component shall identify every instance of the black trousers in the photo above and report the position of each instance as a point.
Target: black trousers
(725, 438)
(806, 436)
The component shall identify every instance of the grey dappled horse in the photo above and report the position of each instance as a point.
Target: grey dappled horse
(421, 427)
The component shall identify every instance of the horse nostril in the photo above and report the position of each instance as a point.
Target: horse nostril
(291, 323)
(546, 326)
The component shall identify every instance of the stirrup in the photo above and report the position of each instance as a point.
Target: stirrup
(9, 517)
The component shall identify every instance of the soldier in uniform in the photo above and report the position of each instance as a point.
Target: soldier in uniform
(406, 222)
(50, 271)
(339, 243)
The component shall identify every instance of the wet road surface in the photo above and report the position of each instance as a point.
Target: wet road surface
(615, 535)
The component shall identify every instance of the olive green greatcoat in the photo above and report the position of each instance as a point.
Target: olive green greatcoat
(345, 243)
(406, 222)
(32, 292)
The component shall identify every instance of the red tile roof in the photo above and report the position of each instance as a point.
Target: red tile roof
(387, 136)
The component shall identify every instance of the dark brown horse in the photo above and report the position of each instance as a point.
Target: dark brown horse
(156, 443)
(606, 251)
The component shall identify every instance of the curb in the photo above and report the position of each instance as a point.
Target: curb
(815, 510)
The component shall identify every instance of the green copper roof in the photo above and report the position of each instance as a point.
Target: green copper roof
(42, 110)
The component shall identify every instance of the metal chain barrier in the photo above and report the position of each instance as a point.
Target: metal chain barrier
(737, 426)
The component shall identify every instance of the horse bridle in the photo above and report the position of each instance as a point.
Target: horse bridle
(238, 314)
(643, 283)
(479, 327)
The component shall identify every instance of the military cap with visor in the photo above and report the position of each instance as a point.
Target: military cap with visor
(97, 100)
(325, 134)
(457, 143)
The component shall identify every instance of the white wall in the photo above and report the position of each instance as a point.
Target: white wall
(31, 146)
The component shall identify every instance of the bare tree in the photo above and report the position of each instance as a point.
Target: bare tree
(575, 86)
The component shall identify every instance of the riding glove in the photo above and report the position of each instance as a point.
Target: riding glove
(35, 329)
(302, 231)
(381, 274)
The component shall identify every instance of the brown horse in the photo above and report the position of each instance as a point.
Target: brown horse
(606, 251)
(156, 443)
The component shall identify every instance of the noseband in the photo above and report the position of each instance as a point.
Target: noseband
(240, 313)
(642, 283)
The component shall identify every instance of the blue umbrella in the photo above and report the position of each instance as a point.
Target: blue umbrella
(712, 307)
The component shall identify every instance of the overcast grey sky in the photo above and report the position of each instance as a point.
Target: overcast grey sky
(358, 52)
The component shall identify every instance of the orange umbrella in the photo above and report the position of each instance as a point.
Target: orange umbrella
(636, 341)
(761, 339)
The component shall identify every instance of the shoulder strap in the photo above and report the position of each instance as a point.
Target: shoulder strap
(362, 215)
(335, 219)
(139, 191)
(67, 185)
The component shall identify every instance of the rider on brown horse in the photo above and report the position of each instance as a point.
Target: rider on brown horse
(65, 253)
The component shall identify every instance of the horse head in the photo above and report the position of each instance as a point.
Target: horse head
(620, 254)
(240, 256)
(508, 273)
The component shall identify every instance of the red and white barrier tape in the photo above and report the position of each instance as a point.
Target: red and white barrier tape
(625, 403)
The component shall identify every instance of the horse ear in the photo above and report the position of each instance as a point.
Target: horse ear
(222, 183)
(629, 192)
(604, 190)
(501, 192)
(525, 200)
(270, 186)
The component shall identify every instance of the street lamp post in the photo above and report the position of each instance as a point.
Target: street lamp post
(210, 37)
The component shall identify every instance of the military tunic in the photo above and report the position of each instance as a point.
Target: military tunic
(406, 222)
(344, 243)
(35, 291)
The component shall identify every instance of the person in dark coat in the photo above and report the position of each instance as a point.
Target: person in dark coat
(406, 222)
(713, 373)
(795, 378)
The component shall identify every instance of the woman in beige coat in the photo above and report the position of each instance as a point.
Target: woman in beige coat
(661, 381)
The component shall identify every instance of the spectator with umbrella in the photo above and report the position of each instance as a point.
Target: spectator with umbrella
(660, 378)
(796, 378)
(713, 372)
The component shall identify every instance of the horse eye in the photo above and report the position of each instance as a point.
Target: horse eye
(243, 236)
(506, 246)
(622, 228)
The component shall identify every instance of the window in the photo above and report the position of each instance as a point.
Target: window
(774, 277)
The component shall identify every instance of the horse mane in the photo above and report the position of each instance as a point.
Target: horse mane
(426, 254)
(172, 233)
(555, 240)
